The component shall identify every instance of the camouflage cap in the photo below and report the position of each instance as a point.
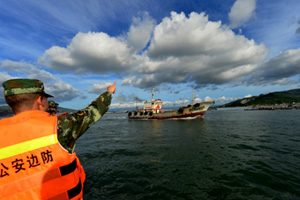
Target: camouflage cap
(52, 104)
(24, 86)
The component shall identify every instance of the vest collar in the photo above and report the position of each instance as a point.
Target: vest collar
(32, 114)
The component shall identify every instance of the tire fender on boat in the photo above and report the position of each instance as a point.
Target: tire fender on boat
(129, 114)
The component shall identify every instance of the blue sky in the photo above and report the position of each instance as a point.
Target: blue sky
(225, 49)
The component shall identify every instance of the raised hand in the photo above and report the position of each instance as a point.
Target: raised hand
(112, 88)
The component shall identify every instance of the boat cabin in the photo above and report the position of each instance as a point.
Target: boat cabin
(153, 105)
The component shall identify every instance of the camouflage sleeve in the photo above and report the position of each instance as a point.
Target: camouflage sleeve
(71, 126)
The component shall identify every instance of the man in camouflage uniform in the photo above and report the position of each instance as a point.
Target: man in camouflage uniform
(52, 108)
(69, 126)
(28, 95)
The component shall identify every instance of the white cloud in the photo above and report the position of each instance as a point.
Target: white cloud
(140, 32)
(223, 99)
(131, 105)
(279, 69)
(207, 98)
(182, 102)
(60, 90)
(99, 88)
(90, 52)
(3, 77)
(22, 69)
(197, 100)
(182, 49)
(195, 49)
(298, 29)
(241, 12)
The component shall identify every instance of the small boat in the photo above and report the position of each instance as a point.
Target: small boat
(152, 110)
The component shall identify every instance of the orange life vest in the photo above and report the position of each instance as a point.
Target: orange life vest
(33, 165)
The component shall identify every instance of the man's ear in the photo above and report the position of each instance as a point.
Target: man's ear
(39, 100)
(42, 103)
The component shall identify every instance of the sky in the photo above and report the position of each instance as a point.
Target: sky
(223, 50)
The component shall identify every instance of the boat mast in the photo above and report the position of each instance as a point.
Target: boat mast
(136, 107)
(152, 94)
(193, 95)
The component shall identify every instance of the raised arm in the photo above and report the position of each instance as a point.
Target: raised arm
(71, 126)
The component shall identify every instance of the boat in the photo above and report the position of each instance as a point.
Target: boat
(153, 110)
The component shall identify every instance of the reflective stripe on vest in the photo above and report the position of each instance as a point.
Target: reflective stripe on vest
(33, 165)
(27, 146)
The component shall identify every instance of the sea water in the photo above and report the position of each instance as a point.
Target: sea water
(230, 154)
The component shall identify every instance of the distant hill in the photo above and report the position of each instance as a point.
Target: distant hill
(5, 111)
(273, 98)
